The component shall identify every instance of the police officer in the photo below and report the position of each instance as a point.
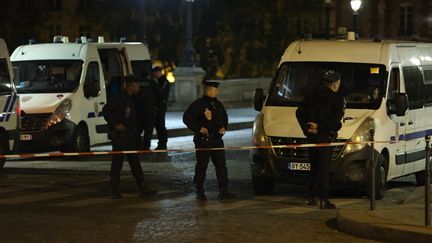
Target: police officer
(208, 119)
(161, 89)
(121, 116)
(145, 103)
(320, 117)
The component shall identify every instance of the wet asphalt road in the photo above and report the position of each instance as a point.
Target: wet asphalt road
(67, 200)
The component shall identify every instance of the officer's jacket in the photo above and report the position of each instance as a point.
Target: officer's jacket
(120, 109)
(194, 117)
(323, 107)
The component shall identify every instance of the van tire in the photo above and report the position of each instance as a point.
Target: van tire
(380, 179)
(80, 141)
(262, 186)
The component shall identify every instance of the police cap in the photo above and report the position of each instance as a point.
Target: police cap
(211, 83)
(330, 76)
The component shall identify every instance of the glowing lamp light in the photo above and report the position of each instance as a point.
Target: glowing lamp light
(355, 5)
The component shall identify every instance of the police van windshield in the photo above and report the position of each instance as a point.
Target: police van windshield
(362, 85)
(47, 76)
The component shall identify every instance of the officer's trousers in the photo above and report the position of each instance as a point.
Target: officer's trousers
(161, 130)
(218, 159)
(125, 141)
(320, 158)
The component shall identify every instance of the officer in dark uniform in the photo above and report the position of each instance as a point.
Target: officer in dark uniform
(145, 103)
(320, 117)
(208, 119)
(121, 116)
(161, 90)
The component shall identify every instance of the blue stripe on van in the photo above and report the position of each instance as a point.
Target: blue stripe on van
(11, 107)
(93, 115)
(411, 136)
(2, 117)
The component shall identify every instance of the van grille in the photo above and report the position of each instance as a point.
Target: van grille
(34, 122)
(300, 152)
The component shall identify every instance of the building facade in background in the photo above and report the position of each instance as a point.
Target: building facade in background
(232, 39)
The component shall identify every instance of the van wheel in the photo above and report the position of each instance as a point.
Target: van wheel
(262, 186)
(80, 141)
(421, 176)
(380, 179)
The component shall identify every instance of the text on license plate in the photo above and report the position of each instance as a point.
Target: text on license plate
(25, 137)
(298, 166)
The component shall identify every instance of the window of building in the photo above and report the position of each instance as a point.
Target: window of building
(28, 4)
(56, 5)
(84, 30)
(406, 23)
(54, 30)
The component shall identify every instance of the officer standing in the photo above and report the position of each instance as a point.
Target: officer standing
(121, 116)
(208, 119)
(320, 117)
(162, 91)
(145, 103)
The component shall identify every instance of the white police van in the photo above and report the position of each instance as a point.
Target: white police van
(9, 104)
(387, 87)
(63, 87)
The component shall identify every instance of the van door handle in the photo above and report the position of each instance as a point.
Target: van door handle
(402, 124)
(410, 122)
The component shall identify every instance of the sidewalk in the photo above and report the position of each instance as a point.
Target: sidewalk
(239, 118)
(401, 223)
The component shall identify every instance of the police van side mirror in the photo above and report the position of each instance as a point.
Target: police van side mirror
(398, 105)
(258, 99)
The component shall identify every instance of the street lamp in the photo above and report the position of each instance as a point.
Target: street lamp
(327, 8)
(188, 58)
(355, 6)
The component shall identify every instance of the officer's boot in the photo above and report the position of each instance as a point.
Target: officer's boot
(326, 204)
(115, 193)
(144, 190)
(200, 195)
(224, 194)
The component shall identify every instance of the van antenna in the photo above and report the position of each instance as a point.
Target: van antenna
(299, 47)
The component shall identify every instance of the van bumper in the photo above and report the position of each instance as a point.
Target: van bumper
(350, 169)
(54, 137)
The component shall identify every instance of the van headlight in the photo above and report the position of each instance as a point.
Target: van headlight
(60, 113)
(258, 135)
(360, 137)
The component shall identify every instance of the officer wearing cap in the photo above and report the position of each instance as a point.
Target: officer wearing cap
(121, 117)
(320, 116)
(208, 119)
(162, 91)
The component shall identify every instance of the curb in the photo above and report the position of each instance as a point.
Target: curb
(178, 132)
(365, 225)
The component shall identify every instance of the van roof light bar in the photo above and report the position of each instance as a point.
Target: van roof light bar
(65, 39)
(123, 39)
(83, 39)
(32, 41)
(58, 39)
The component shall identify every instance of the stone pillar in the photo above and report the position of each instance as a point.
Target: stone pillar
(188, 86)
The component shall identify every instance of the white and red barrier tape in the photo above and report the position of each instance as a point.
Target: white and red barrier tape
(60, 154)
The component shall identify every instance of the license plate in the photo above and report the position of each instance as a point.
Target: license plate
(298, 166)
(25, 137)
